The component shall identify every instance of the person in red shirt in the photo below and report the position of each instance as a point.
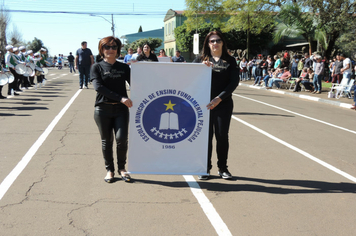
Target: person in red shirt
(283, 78)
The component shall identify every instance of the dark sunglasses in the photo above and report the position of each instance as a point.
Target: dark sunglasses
(107, 47)
(215, 41)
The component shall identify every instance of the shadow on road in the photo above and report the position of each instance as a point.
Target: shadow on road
(24, 108)
(259, 114)
(281, 186)
(11, 114)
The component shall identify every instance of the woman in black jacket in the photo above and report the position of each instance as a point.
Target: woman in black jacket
(225, 78)
(112, 105)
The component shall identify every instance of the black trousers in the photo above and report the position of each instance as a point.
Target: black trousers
(14, 85)
(220, 118)
(113, 120)
(40, 78)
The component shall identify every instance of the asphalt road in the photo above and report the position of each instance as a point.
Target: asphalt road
(292, 160)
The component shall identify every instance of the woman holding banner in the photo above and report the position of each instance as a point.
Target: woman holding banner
(112, 105)
(225, 78)
(146, 54)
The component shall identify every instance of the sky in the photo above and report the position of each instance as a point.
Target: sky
(62, 33)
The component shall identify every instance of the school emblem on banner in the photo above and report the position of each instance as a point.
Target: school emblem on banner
(169, 121)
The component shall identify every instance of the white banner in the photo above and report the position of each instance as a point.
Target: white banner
(169, 121)
(164, 59)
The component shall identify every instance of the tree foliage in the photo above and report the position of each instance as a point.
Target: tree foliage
(16, 38)
(346, 43)
(235, 39)
(140, 29)
(252, 15)
(153, 42)
(35, 45)
(4, 21)
(334, 17)
(321, 20)
(294, 23)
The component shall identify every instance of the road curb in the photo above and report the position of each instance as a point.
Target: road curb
(307, 97)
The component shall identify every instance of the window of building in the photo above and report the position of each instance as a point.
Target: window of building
(169, 28)
(173, 23)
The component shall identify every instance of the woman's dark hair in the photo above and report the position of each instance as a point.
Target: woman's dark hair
(109, 40)
(162, 50)
(143, 53)
(206, 49)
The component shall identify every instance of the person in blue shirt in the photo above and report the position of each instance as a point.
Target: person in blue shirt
(178, 57)
(128, 57)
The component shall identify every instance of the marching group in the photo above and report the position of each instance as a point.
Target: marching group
(16, 59)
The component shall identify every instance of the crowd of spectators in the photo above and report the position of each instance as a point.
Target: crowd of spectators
(307, 70)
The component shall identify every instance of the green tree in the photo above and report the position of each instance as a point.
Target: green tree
(235, 39)
(4, 21)
(36, 45)
(334, 17)
(295, 23)
(140, 29)
(251, 16)
(346, 43)
(153, 42)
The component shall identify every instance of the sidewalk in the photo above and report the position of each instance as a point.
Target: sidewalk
(323, 97)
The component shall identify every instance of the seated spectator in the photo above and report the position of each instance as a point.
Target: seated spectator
(303, 76)
(307, 81)
(268, 76)
(283, 78)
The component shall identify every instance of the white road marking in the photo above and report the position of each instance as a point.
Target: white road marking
(208, 208)
(10, 179)
(298, 114)
(330, 167)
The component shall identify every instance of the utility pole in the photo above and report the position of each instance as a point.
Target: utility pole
(112, 22)
(112, 25)
(248, 31)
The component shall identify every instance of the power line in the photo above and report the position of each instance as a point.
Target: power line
(88, 13)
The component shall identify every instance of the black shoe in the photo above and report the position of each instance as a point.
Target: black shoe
(126, 177)
(204, 177)
(110, 180)
(225, 174)
(18, 90)
(2, 97)
(80, 87)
